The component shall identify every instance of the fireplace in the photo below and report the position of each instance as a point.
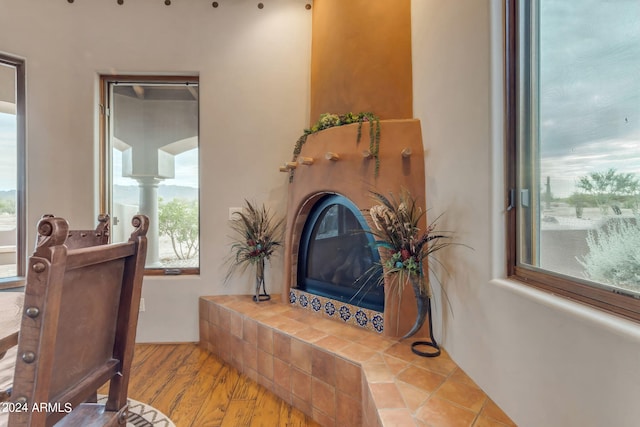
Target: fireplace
(336, 190)
(337, 258)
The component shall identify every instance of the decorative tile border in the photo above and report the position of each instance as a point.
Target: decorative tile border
(347, 313)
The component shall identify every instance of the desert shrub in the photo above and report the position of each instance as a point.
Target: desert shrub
(178, 219)
(614, 254)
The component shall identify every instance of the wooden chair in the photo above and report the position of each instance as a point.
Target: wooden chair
(78, 328)
(84, 238)
(75, 239)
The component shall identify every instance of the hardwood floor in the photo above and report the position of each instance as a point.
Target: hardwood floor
(194, 388)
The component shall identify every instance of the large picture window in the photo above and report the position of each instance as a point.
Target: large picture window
(150, 165)
(12, 171)
(573, 105)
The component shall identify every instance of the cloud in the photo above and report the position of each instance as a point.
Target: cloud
(596, 156)
(589, 72)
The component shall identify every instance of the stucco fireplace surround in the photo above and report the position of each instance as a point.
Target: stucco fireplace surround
(352, 175)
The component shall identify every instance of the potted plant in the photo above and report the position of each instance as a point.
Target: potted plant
(257, 234)
(405, 249)
(328, 120)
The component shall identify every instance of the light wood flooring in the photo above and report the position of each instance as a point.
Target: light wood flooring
(195, 388)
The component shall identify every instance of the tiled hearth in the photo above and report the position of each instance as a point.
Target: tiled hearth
(338, 374)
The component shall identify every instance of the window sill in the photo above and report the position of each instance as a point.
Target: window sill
(11, 283)
(584, 312)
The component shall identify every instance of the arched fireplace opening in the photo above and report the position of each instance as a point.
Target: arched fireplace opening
(337, 258)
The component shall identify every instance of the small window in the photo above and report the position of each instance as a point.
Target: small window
(151, 166)
(573, 105)
(12, 160)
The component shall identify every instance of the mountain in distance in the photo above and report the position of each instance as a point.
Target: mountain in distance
(129, 194)
(7, 194)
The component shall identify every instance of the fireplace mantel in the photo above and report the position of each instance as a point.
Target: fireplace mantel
(353, 175)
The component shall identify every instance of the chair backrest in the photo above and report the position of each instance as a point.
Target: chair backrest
(78, 328)
(85, 238)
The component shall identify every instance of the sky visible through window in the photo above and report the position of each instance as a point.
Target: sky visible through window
(590, 89)
(186, 170)
(8, 171)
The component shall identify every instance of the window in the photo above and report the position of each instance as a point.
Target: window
(573, 126)
(12, 194)
(150, 165)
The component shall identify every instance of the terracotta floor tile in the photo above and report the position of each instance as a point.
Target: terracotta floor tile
(460, 376)
(318, 364)
(356, 352)
(386, 396)
(395, 365)
(493, 411)
(250, 331)
(323, 419)
(421, 378)
(332, 343)
(323, 397)
(376, 358)
(402, 351)
(310, 334)
(262, 316)
(377, 372)
(301, 355)
(483, 421)
(413, 396)
(440, 413)
(323, 365)
(282, 374)
(294, 314)
(348, 411)
(396, 418)
(265, 338)
(349, 378)
(301, 385)
(282, 346)
(351, 333)
(374, 342)
(291, 326)
(441, 364)
(464, 395)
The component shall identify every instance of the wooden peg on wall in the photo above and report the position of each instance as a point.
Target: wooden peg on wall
(305, 160)
(291, 165)
(366, 154)
(284, 169)
(406, 152)
(331, 156)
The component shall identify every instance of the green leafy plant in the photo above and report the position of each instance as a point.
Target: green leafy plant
(257, 234)
(328, 120)
(611, 188)
(178, 219)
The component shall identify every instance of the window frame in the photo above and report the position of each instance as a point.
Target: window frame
(604, 299)
(21, 206)
(104, 157)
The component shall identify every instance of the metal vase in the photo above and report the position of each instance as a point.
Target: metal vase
(264, 296)
(423, 302)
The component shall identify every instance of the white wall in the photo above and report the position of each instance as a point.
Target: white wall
(254, 103)
(545, 360)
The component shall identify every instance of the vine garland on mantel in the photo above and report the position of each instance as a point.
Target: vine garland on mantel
(328, 120)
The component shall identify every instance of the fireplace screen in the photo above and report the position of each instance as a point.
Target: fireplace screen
(337, 259)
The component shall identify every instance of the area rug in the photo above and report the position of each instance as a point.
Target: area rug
(143, 415)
